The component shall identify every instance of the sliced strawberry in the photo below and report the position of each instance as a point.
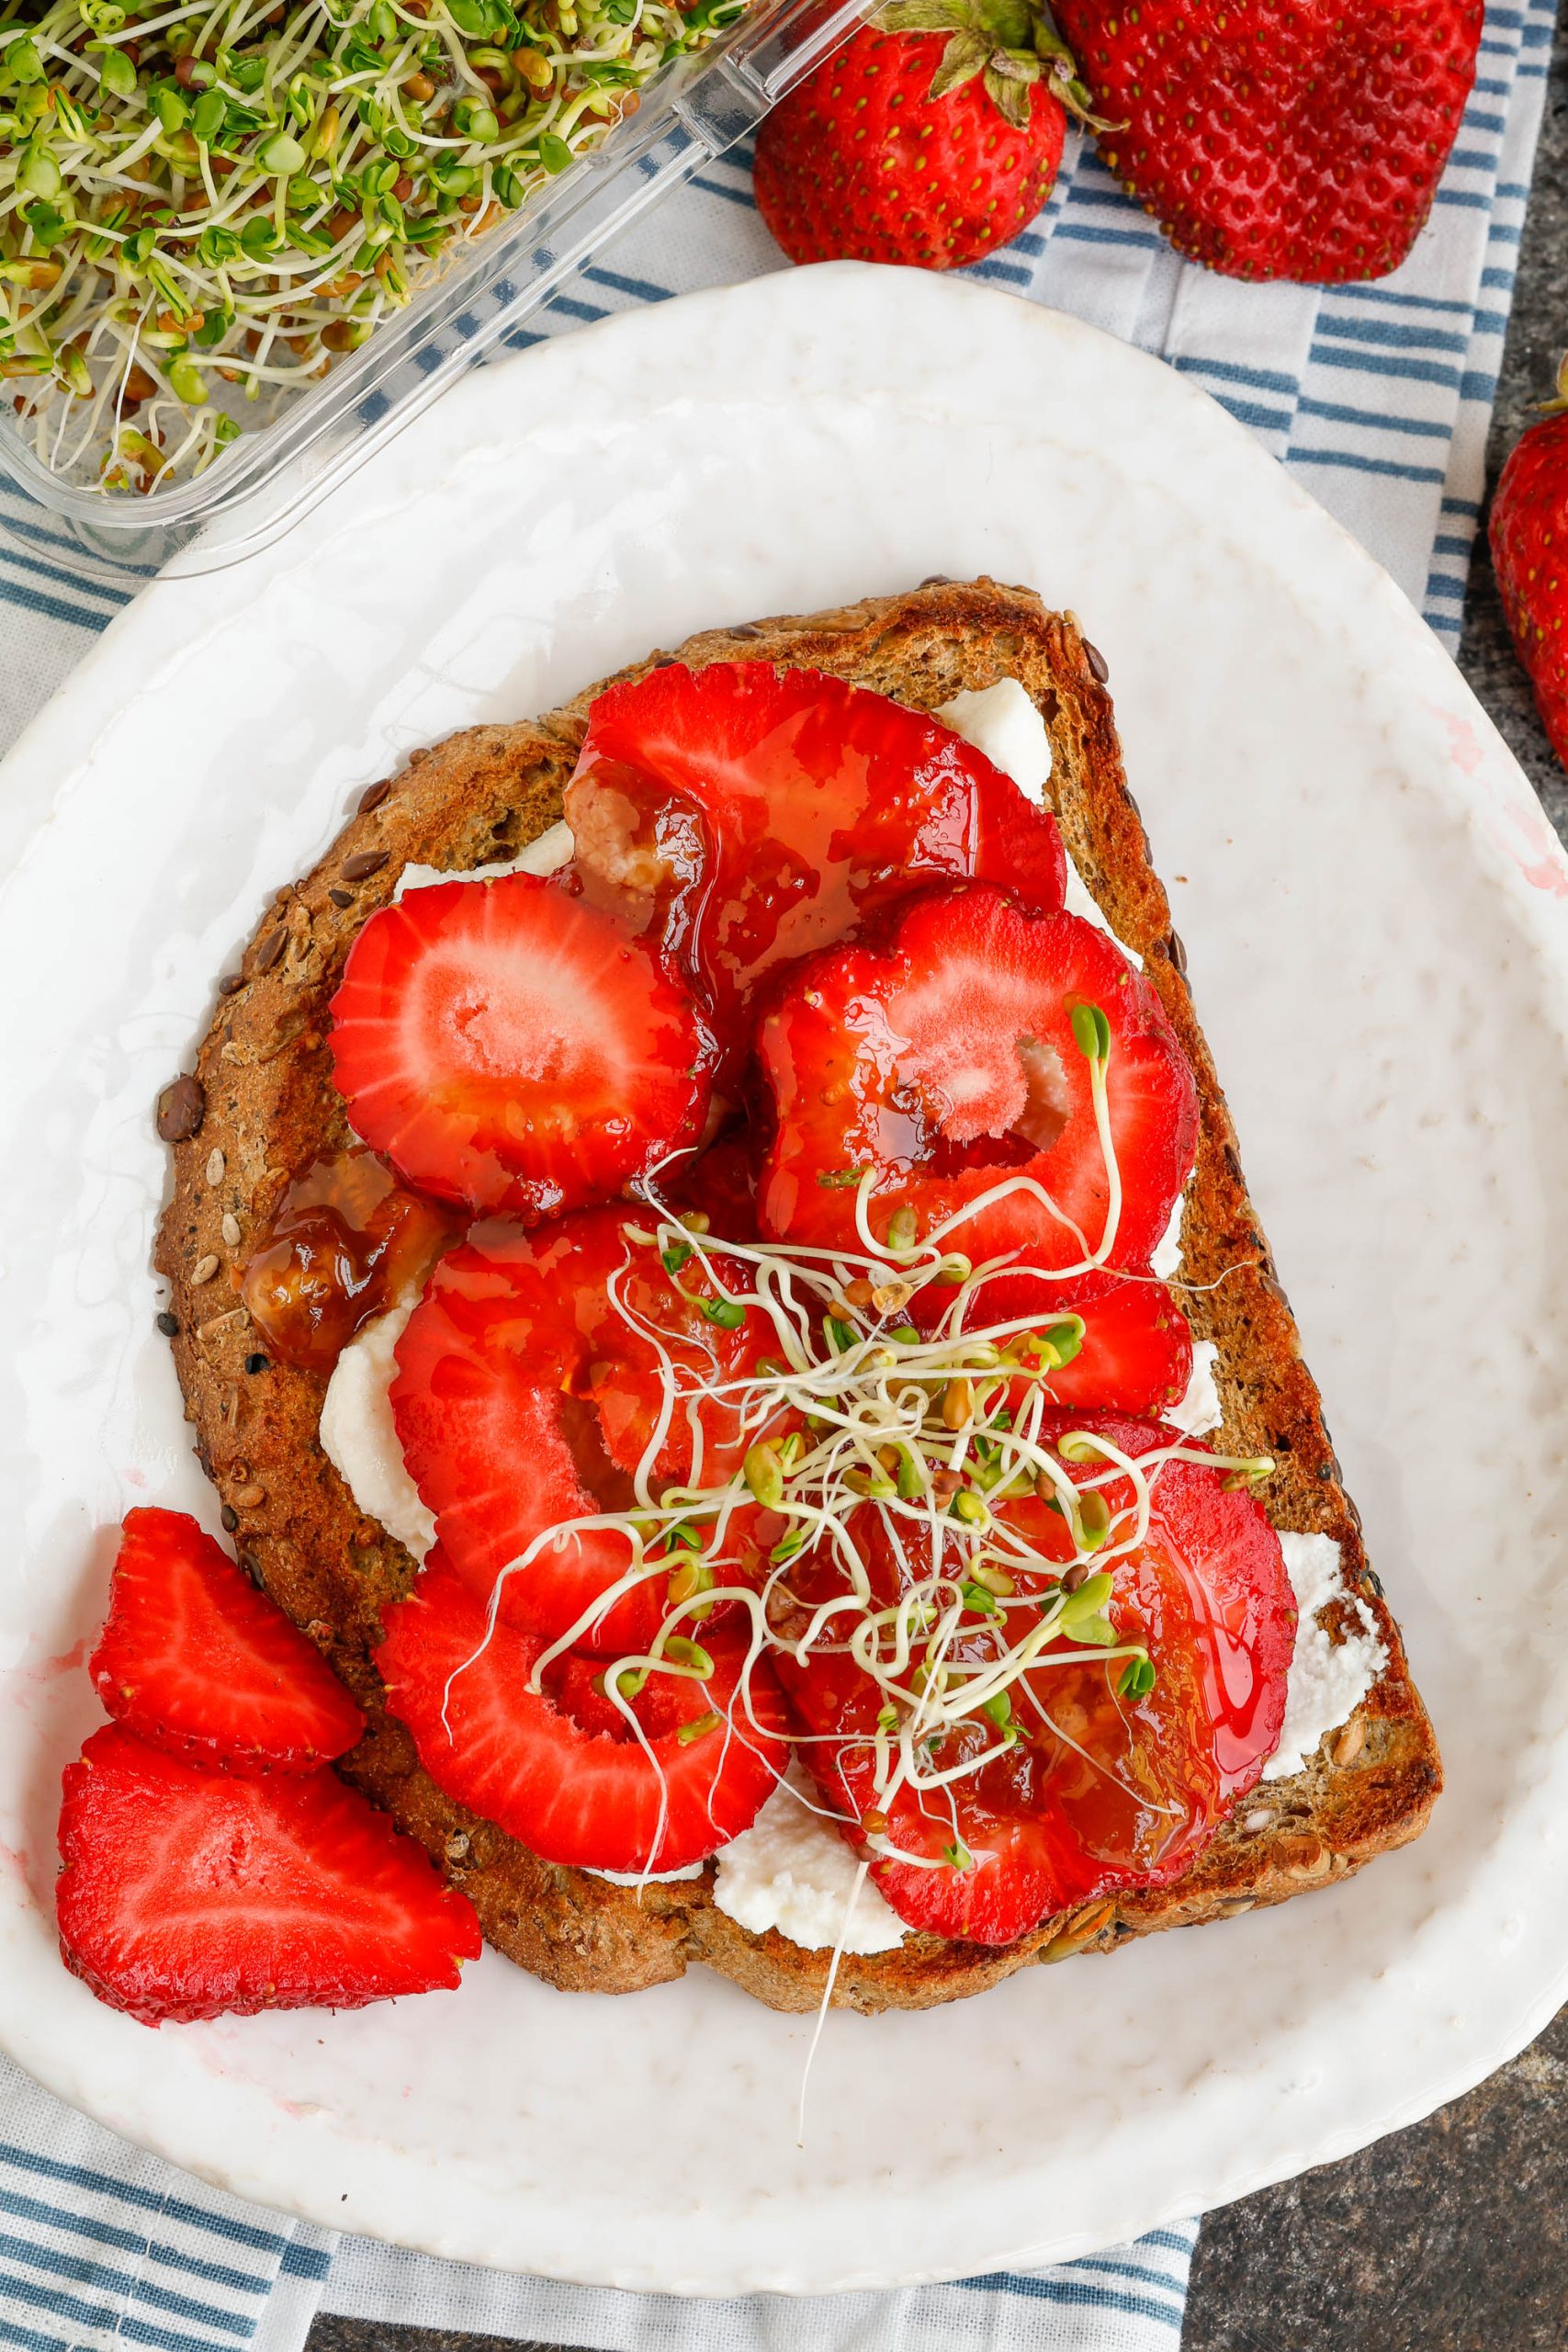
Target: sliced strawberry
(527, 1400)
(1135, 1353)
(188, 1894)
(1099, 1788)
(194, 1659)
(950, 1067)
(754, 815)
(507, 1047)
(548, 1766)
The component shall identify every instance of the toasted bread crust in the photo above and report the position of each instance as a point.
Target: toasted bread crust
(271, 1108)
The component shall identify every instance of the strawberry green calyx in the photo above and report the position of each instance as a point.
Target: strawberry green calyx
(1008, 42)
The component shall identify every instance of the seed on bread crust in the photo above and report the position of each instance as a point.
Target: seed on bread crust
(1078, 1932)
(1305, 1856)
(181, 1106)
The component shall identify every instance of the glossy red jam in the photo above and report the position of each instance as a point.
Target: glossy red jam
(343, 1241)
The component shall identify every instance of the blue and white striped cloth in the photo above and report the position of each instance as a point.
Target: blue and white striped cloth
(1378, 399)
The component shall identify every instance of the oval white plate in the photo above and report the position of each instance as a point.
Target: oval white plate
(1375, 911)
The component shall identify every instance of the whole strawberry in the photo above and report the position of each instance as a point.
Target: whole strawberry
(1530, 552)
(1298, 139)
(932, 136)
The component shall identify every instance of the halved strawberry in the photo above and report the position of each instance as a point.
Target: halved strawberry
(507, 1047)
(548, 1766)
(526, 1399)
(1098, 1786)
(1135, 1354)
(187, 1893)
(954, 1066)
(194, 1659)
(754, 815)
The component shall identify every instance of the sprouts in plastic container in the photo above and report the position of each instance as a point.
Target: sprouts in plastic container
(241, 245)
(238, 194)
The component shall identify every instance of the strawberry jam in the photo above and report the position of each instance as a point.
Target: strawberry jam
(344, 1240)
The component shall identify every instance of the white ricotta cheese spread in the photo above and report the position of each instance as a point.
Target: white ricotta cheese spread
(1328, 1680)
(1079, 901)
(792, 1870)
(1166, 1263)
(1199, 1412)
(1001, 721)
(359, 1437)
(545, 855)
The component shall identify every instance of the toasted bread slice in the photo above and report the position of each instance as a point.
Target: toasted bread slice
(270, 1108)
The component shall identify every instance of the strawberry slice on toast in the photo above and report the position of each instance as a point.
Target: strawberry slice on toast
(560, 1767)
(532, 1391)
(509, 1048)
(754, 816)
(1092, 1778)
(978, 1069)
(195, 1659)
(1133, 1355)
(188, 1894)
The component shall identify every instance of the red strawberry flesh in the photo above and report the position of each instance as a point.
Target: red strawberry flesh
(948, 1066)
(187, 1893)
(526, 1399)
(508, 1048)
(570, 1788)
(195, 1659)
(1135, 1354)
(1099, 1789)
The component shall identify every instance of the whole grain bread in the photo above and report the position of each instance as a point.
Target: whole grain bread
(264, 1106)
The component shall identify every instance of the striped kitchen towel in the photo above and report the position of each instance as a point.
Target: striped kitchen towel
(102, 2247)
(1377, 397)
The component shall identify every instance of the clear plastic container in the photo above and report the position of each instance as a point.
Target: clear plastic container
(261, 485)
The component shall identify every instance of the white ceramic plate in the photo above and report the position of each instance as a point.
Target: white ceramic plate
(1375, 911)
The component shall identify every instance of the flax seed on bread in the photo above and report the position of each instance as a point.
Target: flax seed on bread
(270, 1108)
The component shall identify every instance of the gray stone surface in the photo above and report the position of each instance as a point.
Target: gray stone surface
(1453, 2236)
